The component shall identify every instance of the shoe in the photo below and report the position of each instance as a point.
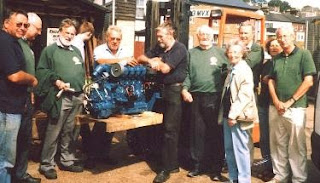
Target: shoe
(28, 179)
(108, 160)
(231, 181)
(194, 173)
(218, 177)
(72, 168)
(89, 164)
(175, 170)
(49, 174)
(161, 177)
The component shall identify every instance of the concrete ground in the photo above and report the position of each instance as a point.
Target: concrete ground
(136, 169)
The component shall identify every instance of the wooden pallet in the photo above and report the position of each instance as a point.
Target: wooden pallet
(124, 122)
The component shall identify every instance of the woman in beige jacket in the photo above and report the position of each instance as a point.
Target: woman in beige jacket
(238, 112)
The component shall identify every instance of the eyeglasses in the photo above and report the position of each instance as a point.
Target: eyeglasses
(20, 24)
(115, 38)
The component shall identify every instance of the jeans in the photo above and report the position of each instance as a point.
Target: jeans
(264, 131)
(237, 152)
(9, 127)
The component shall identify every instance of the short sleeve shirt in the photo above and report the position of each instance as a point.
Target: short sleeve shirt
(12, 96)
(176, 58)
(103, 52)
(289, 72)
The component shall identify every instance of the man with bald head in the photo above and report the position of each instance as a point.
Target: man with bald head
(14, 82)
(25, 132)
(290, 79)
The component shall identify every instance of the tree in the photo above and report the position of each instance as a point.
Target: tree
(284, 5)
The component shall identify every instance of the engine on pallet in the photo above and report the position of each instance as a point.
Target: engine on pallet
(119, 89)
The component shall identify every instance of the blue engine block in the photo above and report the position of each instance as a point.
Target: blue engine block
(118, 89)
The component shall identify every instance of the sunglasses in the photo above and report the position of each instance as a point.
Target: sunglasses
(22, 24)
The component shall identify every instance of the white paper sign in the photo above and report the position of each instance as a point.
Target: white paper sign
(52, 35)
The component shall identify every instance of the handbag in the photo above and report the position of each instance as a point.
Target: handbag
(249, 113)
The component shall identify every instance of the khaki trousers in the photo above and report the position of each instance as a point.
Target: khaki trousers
(288, 144)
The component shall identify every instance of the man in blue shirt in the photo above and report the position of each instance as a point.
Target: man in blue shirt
(13, 88)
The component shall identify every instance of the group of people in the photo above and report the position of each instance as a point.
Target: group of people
(228, 91)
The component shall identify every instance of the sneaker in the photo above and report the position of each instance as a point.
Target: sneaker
(49, 174)
(161, 177)
(72, 168)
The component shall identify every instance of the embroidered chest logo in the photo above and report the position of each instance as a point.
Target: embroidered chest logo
(213, 61)
(76, 60)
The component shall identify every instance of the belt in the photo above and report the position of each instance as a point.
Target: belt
(173, 84)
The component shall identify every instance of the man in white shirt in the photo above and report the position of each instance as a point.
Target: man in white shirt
(97, 142)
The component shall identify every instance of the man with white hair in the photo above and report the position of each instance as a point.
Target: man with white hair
(202, 88)
(25, 131)
(290, 79)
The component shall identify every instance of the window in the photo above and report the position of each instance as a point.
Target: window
(140, 9)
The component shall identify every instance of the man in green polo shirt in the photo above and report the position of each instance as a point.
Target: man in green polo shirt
(61, 74)
(25, 131)
(291, 77)
(202, 88)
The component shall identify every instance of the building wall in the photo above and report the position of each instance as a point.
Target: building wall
(201, 15)
(127, 28)
(300, 31)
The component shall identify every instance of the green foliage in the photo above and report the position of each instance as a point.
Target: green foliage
(284, 5)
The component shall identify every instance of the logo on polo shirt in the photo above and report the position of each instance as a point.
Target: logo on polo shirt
(213, 61)
(76, 60)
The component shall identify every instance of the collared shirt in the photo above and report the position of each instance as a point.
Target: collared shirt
(288, 72)
(248, 47)
(104, 52)
(176, 58)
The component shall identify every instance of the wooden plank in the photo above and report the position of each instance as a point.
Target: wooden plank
(124, 122)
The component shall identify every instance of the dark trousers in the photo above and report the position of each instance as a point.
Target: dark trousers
(171, 123)
(24, 141)
(206, 139)
(96, 143)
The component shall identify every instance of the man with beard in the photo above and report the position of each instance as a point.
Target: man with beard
(202, 88)
(25, 132)
(61, 74)
(169, 58)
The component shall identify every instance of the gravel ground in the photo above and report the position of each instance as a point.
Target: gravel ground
(137, 169)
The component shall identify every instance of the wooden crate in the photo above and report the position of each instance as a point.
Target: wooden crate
(124, 122)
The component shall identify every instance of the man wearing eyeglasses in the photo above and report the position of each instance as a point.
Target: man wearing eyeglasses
(25, 132)
(97, 142)
(14, 82)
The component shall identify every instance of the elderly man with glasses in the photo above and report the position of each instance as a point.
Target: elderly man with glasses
(14, 82)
